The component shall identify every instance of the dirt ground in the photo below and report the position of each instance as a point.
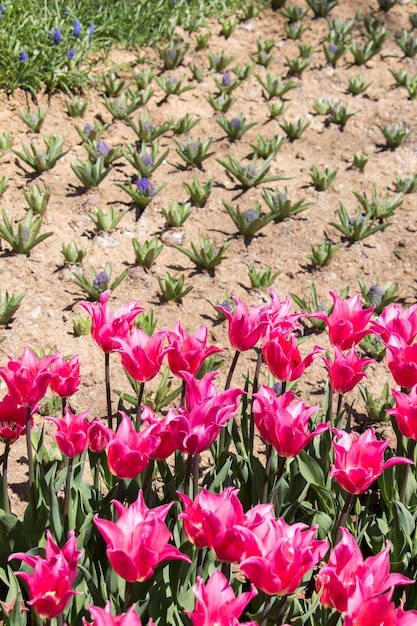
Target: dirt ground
(45, 318)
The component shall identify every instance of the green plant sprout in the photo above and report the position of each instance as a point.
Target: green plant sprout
(72, 254)
(339, 30)
(236, 127)
(358, 227)
(76, 107)
(294, 30)
(242, 72)
(106, 220)
(357, 84)
(173, 54)
(294, 13)
(363, 54)
(281, 206)
(90, 132)
(312, 306)
(172, 289)
(101, 281)
(262, 57)
(145, 129)
(91, 173)
(207, 255)
(276, 109)
(141, 191)
(143, 78)
(386, 5)
(334, 51)
(227, 303)
(373, 346)
(261, 279)
(322, 180)
(411, 86)
(197, 72)
(146, 253)
(222, 103)
(400, 77)
(250, 221)
(378, 208)
(219, 61)
(121, 107)
(376, 408)
(39, 159)
(395, 134)
(34, 119)
(144, 160)
(249, 10)
(26, 237)
(335, 110)
(194, 152)
(112, 84)
(360, 160)
(147, 322)
(249, 175)
(177, 213)
(263, 148)
(100, 148)
(228, 84)
(297, 65)
(4, 183)
(228, 27)
(202, 40)
(322, 8)
(405, 185)
(408, 43)
(9, 304)
(378, 297)
(184, 125)
(81, 325)
(172, 85)
(322, 254)
(37, 200)
(275, 87)
(199, 193)
(295, 129)
(6, 141)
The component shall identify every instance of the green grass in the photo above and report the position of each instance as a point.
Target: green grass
(29, 25)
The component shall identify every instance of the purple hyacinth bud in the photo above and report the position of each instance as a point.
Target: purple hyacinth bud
(227, 79)
(191, 149)
(280, 199)
(251, 171)
(333, 48)
(357, 219)
(250, 215)
(88, 128)
(236, 123)
(101, 281)
(277, 388)
(102, 148)
(145, 187)
(77, 28)
(171, 54)
(57, 36)
(148, 126)
(23, 56)
(71, 54)
(147, 159)
(172, 81)
(91, 30)
(375, 294)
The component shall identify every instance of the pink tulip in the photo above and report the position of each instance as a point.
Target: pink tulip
(285, 556)
(283, 422)
(106, 325)
(163, 429)
(138, 541)
(348, 322)
(187, 353)
(346, 569)
(99, 436)
(380, 607)
(347, 369)
(50, 583)
(405, 412)
(246, 326)
(216, 603)
(142, 355)
(402, 361)
(279, 315)
(207, 412)
(72, 432)
(218, 521)
(397, 321)
(27, 378)
(283, 357)
(65, 379)
(359, 460)
(12, 420)
(104, 617)
(129, 451)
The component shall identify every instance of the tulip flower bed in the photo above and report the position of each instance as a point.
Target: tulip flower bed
(208, 375)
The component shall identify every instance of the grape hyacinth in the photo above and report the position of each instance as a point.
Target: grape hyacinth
(102, 148)
(56, 35)
(77, 28)
(23, 56)
(145, 186)
(101, 281)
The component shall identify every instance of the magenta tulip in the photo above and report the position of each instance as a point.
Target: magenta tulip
(72, 432)
(187, 352)
(359, 460)
(104, 617)
(283, 357)
(65, 375)
(402, 361)
(27, 378)
(129, 451)
(347, 369)
(12, 420)
(138, 541)
(405, 412)
(348, 322)
(142, 355)
(246, 326)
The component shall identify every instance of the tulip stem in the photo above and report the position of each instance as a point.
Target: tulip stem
(60, 620)
(29, 448)
(280, 472)
(343, 516)
(196, 474)
(67, 499)
(410, 455)
(231, 371)
(265, 612)
(330, 404)
(268, 456)
(183, 388)
(188, 467)
(63, 406)
(128, 594)
(139, 406)
(6, 501)
(334, 619)
(339, 408)
(108, 393)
